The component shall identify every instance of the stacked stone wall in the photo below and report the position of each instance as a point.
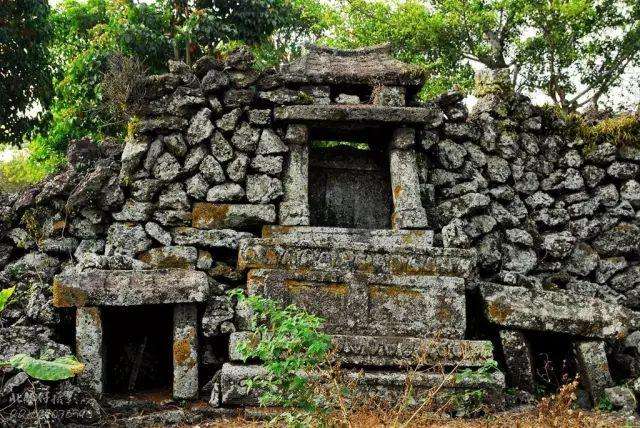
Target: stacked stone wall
(203, 168)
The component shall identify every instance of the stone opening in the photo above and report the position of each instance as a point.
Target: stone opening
(554, 363)
(138, 345)
(349, 182)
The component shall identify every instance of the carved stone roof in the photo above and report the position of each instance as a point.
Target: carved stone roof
(371, 65)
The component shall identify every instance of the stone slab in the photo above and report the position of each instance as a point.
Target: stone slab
(593, 368)
(94, 287)
(557, 312)
(218, 238)
(373, 65)
(385, 385)
(231, 216)
(518, 359)
(393, 351)
(185, 352)
(409, 239)
(89, 347)
(364, 304)
(271, 253)
(429, 116)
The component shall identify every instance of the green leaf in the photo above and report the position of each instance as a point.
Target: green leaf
(5, 295)
(58, 369)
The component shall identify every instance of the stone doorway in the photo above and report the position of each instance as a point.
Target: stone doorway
(349, 185)
(138, 351)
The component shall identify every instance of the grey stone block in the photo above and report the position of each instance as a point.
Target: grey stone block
(364, 304)
(357, 257)
(89, 347)
(231, 216)
(185, 352)
(395, 351)
(428, 116)
(593, 368)
(559, 312)
(518, 359)
(95, 287)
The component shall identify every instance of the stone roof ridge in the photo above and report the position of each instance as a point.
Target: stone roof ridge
(371, 65)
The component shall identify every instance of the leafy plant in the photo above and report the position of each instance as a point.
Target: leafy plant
(58, 369)
(5, 295)
(289, 343)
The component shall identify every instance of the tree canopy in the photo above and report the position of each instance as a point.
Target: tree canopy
(572, 50)
(25, 78)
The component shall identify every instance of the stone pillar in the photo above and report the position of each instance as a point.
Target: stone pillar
(517, 355)
(408, 212)
(294, 209)
(89, 347)
(593, 368)
(185, 352)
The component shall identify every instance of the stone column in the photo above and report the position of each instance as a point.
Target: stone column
(593, 368)
(185, 352)
(89, 347)
(408, 212)
(517, 355)
(294, 209)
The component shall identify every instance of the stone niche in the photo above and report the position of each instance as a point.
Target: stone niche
(349, 181)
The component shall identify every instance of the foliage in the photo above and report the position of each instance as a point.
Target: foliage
(5, 295)
(572, 50)
(25, 78)
(59, 369)
(21, 172)
(288, 341)
(620, 130)
(91, 35)
(417, 34)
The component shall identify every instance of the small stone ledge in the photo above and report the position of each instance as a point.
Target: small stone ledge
(557, 312)
(394, 351)
(93, 287)
(428, 116)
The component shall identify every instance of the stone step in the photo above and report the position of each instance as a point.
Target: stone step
(377, 238)
(365, 304)
(342, 254)
(393, 351)
(95, 287)
(556, 312)
(389, 386)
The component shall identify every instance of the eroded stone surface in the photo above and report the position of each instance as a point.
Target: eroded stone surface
(370, 304)
(387, 351)
(185, 352)
(558, 312)
(230, 216)
(94, 287)
(594, 368)
(90, 347)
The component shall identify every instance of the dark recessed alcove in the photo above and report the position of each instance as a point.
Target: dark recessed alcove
(553, 360)
(138, 349)
(349, 181)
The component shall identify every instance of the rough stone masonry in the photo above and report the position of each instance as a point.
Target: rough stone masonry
(416, 229)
